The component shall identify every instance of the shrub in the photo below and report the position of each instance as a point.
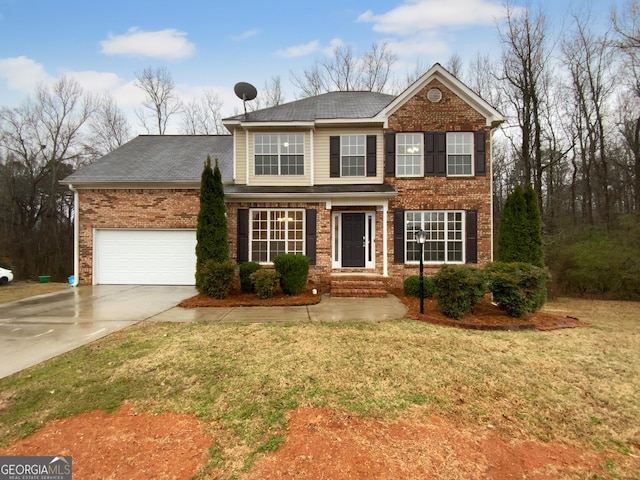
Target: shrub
(458, 289)
(264, 281)
(517, 288)
(411, 286)
(246, 269)
(293, 271)
(215, 279)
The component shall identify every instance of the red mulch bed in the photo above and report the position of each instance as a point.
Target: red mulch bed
(486, 316)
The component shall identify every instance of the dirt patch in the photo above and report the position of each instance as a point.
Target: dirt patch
(320, 443)
(239, 299)
(123, 445)
(486, 316)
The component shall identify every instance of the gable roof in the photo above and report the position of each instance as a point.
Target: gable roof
(161, 159)
(327, 106)
(438, 72)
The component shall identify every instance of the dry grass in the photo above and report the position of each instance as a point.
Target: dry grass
(19, 290)
(577, 386)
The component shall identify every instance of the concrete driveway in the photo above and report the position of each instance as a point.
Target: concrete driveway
(38, 328)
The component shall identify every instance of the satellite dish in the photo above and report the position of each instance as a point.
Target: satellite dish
(245, 92)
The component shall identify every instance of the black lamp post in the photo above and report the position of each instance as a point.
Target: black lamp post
(421, 238)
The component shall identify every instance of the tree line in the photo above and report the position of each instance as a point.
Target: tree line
(572, 103)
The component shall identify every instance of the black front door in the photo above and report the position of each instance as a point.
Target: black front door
(353, 239)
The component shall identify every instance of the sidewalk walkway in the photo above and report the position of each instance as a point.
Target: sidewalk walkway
(330, 309)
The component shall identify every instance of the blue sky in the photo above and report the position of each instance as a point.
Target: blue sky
(214, 44)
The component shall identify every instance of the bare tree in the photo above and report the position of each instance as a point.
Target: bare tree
(40, 143)
(376, 67)
(203, 116)
(161, 101)
(454, 65)
(109, 128)
(270, 96)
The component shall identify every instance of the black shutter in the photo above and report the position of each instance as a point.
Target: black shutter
(371, 155)
(390, 154)
(243, 235)
(310, 235)
(471, 243)
(429, 154)
(480, 156)
(441, 153)
(334, 157)
(398, 236)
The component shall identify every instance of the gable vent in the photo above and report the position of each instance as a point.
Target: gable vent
(434, 95)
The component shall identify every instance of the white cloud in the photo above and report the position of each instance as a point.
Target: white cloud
(22, 73)
(168, 44)
(424, 44)
(92, 81)
(246, 35)
(418, 15)
(300, 50)
(335, 43)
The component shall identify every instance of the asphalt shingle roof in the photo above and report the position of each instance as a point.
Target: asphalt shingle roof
(160, 158)
(326, 106)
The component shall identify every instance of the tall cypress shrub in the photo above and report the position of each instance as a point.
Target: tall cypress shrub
(535, 254)
(211, 231)
(513, 230)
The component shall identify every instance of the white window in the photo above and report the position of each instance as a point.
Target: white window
(275, 231)
(279, 154)
(409, 158)
(445, 234)
(353, 156)
(459, 153)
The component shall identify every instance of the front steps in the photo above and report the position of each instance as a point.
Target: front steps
(358, 285)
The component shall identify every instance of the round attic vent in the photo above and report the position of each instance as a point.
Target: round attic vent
(434, 95)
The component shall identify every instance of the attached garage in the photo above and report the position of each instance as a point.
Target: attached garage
(144, 257)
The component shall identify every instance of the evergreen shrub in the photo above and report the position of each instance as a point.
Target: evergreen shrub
(293, 271)
(458, 288)
(411, 286)
(215, 278)
(265, 281)
(246, 269)
(517, 288)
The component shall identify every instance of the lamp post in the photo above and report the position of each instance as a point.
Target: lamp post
(421, 238)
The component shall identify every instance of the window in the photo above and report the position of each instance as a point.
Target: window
(459, 153)
(279, 154)
(409, 154)
(444, 236)
(275, 231)
(353, 156)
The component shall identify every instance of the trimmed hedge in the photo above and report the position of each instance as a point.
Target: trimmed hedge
(215, 279)
(246, 269)
(411, 286)
(293, 271)
(458, 289)
(517, 287)
(265, 281)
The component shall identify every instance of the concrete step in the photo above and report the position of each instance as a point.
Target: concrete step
(358, 292)
(364, 286)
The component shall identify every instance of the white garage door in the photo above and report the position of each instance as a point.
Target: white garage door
(145, 257)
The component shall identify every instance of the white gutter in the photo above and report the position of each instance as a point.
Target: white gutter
(76, 236)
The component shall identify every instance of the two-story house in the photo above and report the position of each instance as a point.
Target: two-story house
(346, 178)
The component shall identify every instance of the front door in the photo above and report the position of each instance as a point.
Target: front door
(353, 239)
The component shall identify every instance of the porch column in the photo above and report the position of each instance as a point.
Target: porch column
(385, 209)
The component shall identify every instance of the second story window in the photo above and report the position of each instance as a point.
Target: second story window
(353, 156)
(409, 158)
(459, 153)
(279, 154)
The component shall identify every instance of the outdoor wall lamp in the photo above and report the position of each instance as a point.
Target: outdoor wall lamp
(421, 238)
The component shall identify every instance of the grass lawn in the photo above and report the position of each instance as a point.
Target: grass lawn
(19, 290)
(578, 386)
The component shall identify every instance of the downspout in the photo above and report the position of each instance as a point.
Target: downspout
(76, 236)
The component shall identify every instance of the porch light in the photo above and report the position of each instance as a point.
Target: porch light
(421, 238)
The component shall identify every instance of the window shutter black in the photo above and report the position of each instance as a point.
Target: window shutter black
(243, 235)
(371, 155)
(429, 154)
(398, 236)
(471, 244)
(390, 154)
(480, 154)
(441, 153)
(334, 157)
(310, 235)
